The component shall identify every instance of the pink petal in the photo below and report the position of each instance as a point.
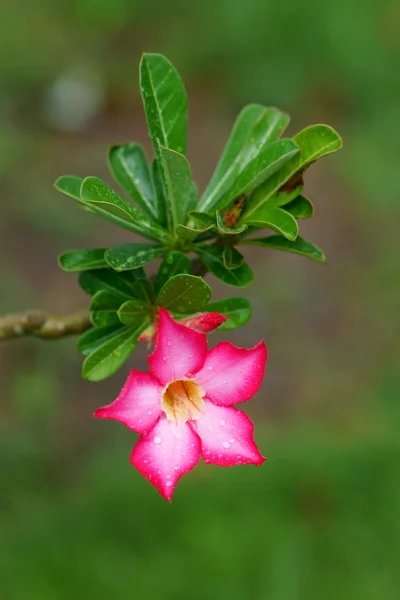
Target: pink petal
(179, 352)
(166, 453)
(226, 435)
(139, 404)
(204, 322)
(231, 375)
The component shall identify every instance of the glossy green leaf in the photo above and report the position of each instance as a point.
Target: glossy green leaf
(73, 261)
(300, 208)
(255, 126)
(96, 337)
(223, 227)
(105, 201)
(128, 164)
(132, 256)
(237, 311)
(133, 312)
(203, 219)
(300, 246)
(192, 198)
(144, 290)
(177, 185)
(197, 224)
(276, 219)
(69, 185)
(263, 165)
(108, 279)
(232, 258)
(175, 263)
(161, 202)
(165, 102)
(104, 307)
(282, 198)
(314, 142)
(108, 358)
(183, 293)
(213, 258)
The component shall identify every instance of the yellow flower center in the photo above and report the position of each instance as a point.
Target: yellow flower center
(183, 400)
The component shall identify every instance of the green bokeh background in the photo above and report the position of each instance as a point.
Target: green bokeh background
(321, 518)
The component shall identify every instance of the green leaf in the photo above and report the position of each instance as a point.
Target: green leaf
(82, 260)
(69, 185)
(107, 279)
(276, 219)
(144, 290)
(161, 202)
(130, 169)
(314, 142)
(96, 337)
(104, 307)
(183, 293)
(282, 198)
(175, 263)
(300, 208)
(177, 185)
(109, 357)
(224, 229)
(192, 198)
(133, 312)
(213, 258)
(232, 258)
(198, 223)
(300, 246)
(105, 201)
(165, 102)
(132, 256)
(263, 165)
(238, 311)
(255, 126)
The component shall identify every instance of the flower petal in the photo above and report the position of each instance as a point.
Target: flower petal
(166, 453)
(204, 322)
(230, 374)
(180, 351)
(226, 435)
(139, 404)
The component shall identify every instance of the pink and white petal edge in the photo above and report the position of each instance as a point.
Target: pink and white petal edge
(231, 375)
(139, 404)
(166, 453)
(226, 435)
(180, 351)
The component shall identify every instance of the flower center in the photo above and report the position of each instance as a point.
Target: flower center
(182, 400)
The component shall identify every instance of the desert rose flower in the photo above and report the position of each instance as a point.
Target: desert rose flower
(184, 408)
(204, 322)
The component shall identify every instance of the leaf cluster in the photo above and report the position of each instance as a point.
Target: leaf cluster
(257, 185)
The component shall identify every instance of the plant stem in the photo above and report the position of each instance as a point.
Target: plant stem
(40, 324)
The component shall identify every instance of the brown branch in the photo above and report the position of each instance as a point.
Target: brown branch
(47, 327)
(42, 325)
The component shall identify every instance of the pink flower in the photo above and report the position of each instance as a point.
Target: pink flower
(184, 408)
(203, 322)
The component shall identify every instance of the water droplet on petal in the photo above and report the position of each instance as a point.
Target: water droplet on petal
(222, 422)
(157, 439)
(226, 444)
(169, 483)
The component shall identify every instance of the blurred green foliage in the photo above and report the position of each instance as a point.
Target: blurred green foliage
(320, 518)
(319, 522)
